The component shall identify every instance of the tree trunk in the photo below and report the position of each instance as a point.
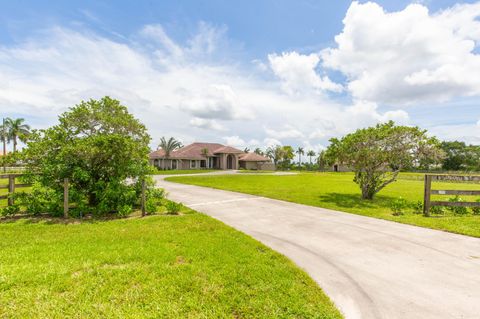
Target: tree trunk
(4, 154)
(14, 143)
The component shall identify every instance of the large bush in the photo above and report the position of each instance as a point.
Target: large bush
(100, 148)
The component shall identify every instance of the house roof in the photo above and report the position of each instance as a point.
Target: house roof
(195, 151)
(253, 157)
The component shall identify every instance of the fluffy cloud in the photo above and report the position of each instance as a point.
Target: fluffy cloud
(217, 102)
(234, 141)
(408, 56)
(206, 124)
(288, 132)
(297, 72)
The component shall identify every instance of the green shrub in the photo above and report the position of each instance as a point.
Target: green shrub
(173, 208)
(154, 197)
(476, 210)
(41, 200)
(457, 210)
(437, 210)
(398, 206)
(10, 210)
(151, 206)
(417, 207)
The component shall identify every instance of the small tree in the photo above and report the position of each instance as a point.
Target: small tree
(311, 154)
(258, 151)
(169, 145)
(17, 130)
(98, 146)
(377, 154)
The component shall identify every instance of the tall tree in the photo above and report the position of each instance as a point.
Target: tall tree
(17, 130)
(378, 154)
(300, 151)
(246, 150)
(5, 136)
(310, 154)
(169, 145)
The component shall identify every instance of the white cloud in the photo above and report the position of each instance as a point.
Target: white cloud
(297, 72)
(206, 124)
(268, 142)
(215, 102)
(287, 132)
(234, 141)
(408, 56)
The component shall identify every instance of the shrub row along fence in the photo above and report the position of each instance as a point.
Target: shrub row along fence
(11, 187)
(428, 203)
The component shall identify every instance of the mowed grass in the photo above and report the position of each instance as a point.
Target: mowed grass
(187, 266)
(338, 191)
(183, 171)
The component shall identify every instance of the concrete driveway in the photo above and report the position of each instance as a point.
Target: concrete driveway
(370, 268)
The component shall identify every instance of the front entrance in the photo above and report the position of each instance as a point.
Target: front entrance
(230, 161)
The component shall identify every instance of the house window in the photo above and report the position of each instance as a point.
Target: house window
(193, 164)
(203, 163)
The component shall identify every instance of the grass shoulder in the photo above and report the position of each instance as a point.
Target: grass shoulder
(184, 266)
(337, 191)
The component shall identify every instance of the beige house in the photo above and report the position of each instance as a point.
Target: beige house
(208, 156)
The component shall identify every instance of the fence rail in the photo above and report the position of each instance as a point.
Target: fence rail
(428, 203)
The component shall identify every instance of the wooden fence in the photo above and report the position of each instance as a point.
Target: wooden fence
(428, 191)
(11, 186)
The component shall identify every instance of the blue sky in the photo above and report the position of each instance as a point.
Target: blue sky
(250, 73)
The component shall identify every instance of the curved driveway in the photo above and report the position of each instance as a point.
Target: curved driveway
(370, 268)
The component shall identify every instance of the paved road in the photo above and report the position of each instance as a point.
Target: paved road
(370, 268)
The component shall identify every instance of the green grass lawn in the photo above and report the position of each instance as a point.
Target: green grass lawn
(183, 171)
(338, 191)
(187, 266)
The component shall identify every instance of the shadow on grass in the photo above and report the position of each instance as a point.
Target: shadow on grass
(355, 200)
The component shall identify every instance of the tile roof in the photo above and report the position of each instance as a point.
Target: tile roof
(253, 157)
(194, 151)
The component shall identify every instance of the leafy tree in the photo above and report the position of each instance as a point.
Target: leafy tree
(311, 154)
(17, 130)
(459, 156)
(300, 151)
(169, 145)
(321, 160)
(98, 146)
(377, 154)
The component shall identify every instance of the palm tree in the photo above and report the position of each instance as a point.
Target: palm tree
(258, 151)
(5, 137)
(17, 130)
(205, 154)
(169, 146)
(311, 154)
(246, 150)
(300, 151)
